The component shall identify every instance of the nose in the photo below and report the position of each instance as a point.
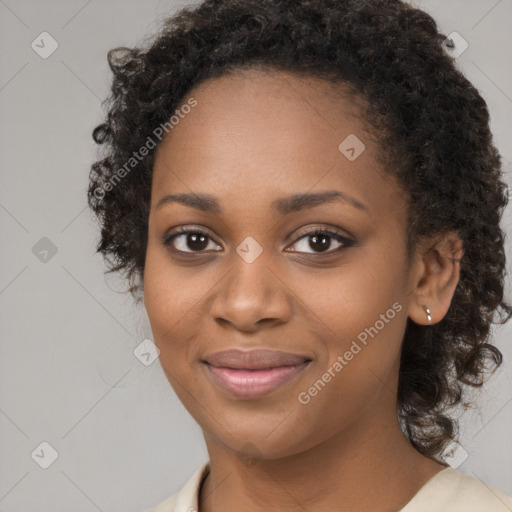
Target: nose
(252, 294)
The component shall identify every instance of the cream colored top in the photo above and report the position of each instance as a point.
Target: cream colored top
(446, 491)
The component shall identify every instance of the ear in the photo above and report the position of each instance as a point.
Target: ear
(434, 277)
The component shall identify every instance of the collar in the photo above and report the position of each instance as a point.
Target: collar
(186, 499)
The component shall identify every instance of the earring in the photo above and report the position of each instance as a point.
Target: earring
(428, 313)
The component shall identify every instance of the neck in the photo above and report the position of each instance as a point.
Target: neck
(369, 466)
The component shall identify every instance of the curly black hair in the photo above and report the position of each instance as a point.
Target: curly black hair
(434, 132)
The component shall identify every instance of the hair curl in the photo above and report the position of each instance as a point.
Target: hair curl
(434, 131)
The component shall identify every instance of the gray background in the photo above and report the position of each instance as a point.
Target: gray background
(68, 374)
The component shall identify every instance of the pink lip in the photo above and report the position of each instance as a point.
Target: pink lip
(256, 359)
(248, 384)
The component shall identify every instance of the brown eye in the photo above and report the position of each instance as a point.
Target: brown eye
(190, 241)
(321, 241)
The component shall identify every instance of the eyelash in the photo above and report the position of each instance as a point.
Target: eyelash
(337, 235)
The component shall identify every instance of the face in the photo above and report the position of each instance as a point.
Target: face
(249, 267)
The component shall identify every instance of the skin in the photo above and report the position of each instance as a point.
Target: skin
(255, 137)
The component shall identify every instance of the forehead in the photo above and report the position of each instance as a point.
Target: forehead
(269, 131)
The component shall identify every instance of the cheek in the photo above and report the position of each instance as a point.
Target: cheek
(174, 298)
(359, 372)
(167, 299)
(352, 297)
(169, 293)
(362, 313)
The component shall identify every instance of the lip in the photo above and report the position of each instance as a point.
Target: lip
(258, 359)
(253, 374)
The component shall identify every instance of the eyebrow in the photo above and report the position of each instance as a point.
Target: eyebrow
(284, 205)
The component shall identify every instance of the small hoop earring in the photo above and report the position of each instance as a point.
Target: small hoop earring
(429, 314)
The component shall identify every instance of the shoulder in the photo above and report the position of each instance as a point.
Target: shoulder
(186, 499)
(451, 491)
(472, 494)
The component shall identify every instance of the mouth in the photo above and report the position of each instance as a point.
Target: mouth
(253, 374)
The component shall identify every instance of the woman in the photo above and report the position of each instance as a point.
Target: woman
(308, 197)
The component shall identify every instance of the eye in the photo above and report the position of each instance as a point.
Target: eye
(318, 240)
(188, 240)
(321, 240)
